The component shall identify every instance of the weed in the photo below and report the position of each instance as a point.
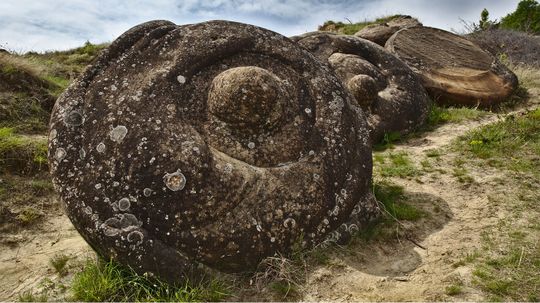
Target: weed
(59, 263)
(23, 112)
(110, 281)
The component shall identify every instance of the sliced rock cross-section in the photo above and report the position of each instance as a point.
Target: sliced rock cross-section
(453, 70)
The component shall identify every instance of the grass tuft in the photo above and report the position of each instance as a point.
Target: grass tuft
(28, 215)
(440, 115)
(395, 165)
(109, 281)
(453, 290)
(22, 154)
(29, 296)
(59, 263)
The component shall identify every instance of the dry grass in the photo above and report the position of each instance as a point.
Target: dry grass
(15, 64)
(529, 77)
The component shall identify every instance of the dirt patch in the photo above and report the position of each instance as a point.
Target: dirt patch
(34, 229)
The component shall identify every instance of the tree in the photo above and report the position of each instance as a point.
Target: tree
(484, 20)
(525, 18)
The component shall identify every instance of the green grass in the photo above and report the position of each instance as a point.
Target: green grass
(352, 28)
(108, 281)
(388, 141)
(22, 154)
(440, 115)
(507, 266)
(393, 199)
(513, 143)
(394, 165)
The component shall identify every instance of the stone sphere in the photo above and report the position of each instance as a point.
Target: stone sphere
(213, 145)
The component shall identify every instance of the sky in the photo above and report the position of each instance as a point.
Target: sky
(40, 25)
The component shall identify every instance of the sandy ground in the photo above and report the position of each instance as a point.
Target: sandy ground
(396, 271)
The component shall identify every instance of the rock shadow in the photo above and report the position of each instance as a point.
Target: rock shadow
(394, 254)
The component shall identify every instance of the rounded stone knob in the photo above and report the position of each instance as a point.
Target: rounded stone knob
(248, 96)
(364, 90)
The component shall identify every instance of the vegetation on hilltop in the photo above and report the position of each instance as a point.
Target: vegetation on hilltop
(31, 82)
(351, 28)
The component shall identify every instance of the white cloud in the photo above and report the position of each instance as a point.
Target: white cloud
(53, 24)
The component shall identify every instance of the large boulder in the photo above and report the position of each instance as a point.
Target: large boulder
(387, 90)
(216, 143)
(453, 69)
(381, 32)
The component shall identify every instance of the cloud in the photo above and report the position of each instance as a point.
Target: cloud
(53, 24)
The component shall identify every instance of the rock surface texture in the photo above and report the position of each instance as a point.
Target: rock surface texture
(388, 91)
(453, 69)
(213, 144)
(380, 33)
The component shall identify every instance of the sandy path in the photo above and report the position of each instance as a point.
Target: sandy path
(401, 271)
(25, 257)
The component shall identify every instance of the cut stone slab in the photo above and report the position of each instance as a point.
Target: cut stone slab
(380, 33)
(453, 69)
(213, 145)
(390, 94)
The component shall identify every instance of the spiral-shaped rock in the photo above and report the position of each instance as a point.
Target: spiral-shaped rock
(216, 143)
(388, 91)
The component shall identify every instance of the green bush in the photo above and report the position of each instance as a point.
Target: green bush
(525, 18)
